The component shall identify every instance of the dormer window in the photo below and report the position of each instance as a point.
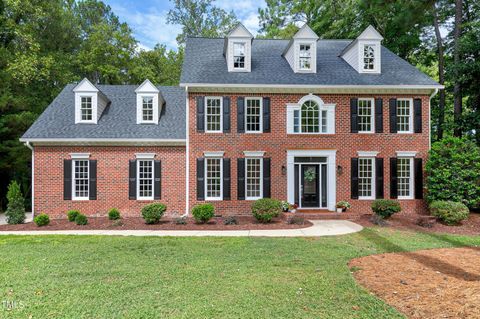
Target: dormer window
(305, 57)
(364, 53)
(147, 108)
(89, 103)
(86, 110)
(239, 55)
(369, 57)
(149, 103)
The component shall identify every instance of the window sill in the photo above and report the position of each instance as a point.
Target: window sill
(366, 132)
(80, 199)
(366, 198)
(404, 132)
(214, 132)
(214, 199)
(311, 134)
(253, 198)
(405, 197)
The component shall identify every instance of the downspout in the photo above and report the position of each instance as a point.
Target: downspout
(27, 144)
(430, 117)
(187, 155)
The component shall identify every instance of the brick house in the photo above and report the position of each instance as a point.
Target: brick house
(306, 120)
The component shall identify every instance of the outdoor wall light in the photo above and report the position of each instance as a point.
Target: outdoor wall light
(284, 170)
(339, 170)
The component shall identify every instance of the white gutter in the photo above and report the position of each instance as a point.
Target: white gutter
(107, 141)
(312, 86)
(430, 118)
(27, 144)
(187, 156)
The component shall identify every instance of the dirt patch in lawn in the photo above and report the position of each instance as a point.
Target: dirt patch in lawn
(437, 283)
(137, 223)
(471, 226)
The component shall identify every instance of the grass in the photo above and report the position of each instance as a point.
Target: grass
(151, 277)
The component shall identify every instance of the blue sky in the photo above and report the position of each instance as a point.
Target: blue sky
(147, 18)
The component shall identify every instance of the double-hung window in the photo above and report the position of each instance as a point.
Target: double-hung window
(145, 178)
(369, 57)
(213, 114)
(253, 178)
(147, 108)
(405, 177)
(86, 109)
(80, 179)
(404, 116)
(253, 115)
(366, 178)
(239, 55)
(213, 178)
(365, 115)
(305, 57)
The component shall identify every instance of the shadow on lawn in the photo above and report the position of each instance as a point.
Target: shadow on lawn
(431, 262)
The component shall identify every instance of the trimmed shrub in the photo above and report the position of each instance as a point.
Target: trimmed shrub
(42, 220)
(72, 214)
(203, 213)
(152, 213)
(15, 212)
(113, 214)
(265, 209)
(450, 212)
(384, 208)
(453, 170)
(81, 219)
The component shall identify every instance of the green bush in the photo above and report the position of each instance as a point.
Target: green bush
(450, 212)
(385, 208)
(15, 212)
(72, 214)
(42, 220)
(453, 170)
(265, 209)
(203, 213)
(152, 213)
(81, 219)
(113, 214)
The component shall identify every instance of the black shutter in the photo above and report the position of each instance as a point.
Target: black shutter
(200, 179)
(266, 178)
(266, 115)
(393, 115)
(418, 167)
(226, 114)
(200, 114)
(354, 115)
(378, 115)
(157, 186)
(379, 178)
(67, 179)
(240, 114)
(132, 179)
(393, 178)
(241, 178)
(417, 111)
(92, 180)
(354, 178)
(226, 179)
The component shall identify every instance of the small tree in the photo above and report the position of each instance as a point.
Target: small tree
(16, 204)
(453, 169)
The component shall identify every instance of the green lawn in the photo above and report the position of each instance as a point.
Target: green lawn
(151, 277)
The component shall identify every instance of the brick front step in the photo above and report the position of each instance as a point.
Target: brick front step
(318, 214)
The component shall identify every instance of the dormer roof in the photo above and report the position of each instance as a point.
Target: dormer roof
(240, 31)
(147, 87)
(370, 33)
(304, 33)
(86, 86)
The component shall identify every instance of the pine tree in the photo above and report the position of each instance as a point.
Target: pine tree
(16, 205)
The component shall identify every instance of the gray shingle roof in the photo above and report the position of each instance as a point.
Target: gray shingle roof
(118, 119)
(205, 63)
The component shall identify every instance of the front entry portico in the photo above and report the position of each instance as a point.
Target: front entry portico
(311, 178)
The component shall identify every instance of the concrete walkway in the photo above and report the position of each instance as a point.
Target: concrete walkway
(319, 228)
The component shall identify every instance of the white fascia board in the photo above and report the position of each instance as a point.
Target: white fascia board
(105, 141)
(314, 86)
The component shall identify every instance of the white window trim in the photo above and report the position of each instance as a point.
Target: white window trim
(145, 156)
(406, 153)
(246, 178)
(372, 115)
(410, 117)
(78, 115)
(330, 108)
(411, 179)
(253, 153)
(376, 58)
(221, 114)
(245, 56)
(74, 197)
(261, 114)
(140, 97)
(367, 153)
(311, 57)
(79, 155)
(213, 154)
(207, 198)
(142, 120)
(373, 186)
(138, 179)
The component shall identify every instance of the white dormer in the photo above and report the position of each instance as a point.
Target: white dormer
(301, 52)
(149, 102)
(89, 102)
(364, 53)
(238, 49)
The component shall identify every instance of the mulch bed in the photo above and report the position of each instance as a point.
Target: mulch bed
(137, 223)
(471, 226)
(436, 283)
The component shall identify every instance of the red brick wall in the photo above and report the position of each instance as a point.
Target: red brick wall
(276, 143)
(112, 180)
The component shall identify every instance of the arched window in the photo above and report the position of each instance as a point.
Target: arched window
(310, 117)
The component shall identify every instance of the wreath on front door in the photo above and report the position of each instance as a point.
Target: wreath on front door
(309, 175)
